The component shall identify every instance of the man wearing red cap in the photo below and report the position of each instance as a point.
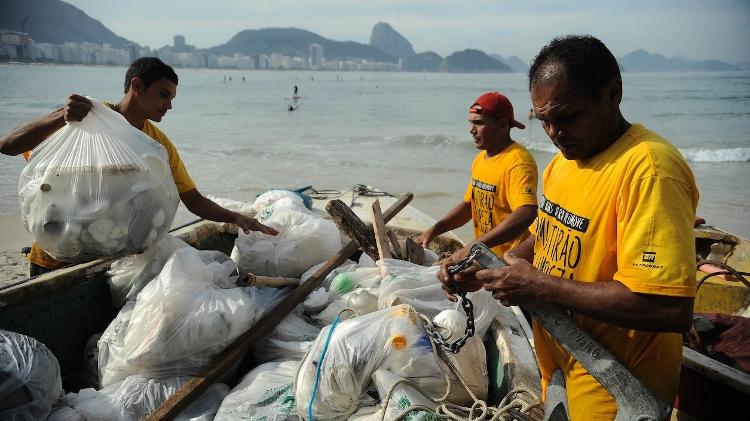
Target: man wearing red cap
(501, 197)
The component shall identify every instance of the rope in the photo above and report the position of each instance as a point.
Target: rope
(513, 406)
(320, 363)
(728, 270)
(691, 336)
(357, 189)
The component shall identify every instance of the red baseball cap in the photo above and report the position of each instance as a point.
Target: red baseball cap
(496, 105)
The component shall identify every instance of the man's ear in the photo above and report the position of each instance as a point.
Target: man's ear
(614, 90)
(136, 84)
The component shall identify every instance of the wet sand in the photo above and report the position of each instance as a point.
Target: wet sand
(13, 237)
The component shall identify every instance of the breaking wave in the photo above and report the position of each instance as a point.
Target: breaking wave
(716, 155)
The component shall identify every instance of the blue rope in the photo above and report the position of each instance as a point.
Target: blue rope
(317, 369)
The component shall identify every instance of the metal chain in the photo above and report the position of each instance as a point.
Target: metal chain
(466, 304)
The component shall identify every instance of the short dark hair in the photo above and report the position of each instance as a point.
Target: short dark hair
(588, 63)
(149, 70)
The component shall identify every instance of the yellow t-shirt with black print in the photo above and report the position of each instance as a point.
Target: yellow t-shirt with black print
(179, 173)
(625, 214)
(499, 185)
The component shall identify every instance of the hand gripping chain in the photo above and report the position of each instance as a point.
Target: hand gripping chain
(476, 251)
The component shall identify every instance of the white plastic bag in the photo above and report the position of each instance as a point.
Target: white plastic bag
(112, 367)
(289, 340)
(419, 287)
(184, 317)
(272, 196)
(361, 300)
(265, 393)
(392, 338)
(128, 275)
(304, 240)
(470, 362)
(135, 398)
(29, 378)
(97, 188)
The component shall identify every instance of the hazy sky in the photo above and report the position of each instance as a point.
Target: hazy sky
(699, 29)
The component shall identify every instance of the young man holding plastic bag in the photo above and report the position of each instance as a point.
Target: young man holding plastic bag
(150, 86)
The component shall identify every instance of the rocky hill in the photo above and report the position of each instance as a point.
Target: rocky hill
(296, 42)
(56, 22)
(423, 62)
(389, 40)
(472, 61)
(514, 62)
(643, 61)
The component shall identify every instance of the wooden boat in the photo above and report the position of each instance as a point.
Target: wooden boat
(64, 308)
(710, 389)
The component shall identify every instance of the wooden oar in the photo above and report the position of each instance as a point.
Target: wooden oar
(194, 387)
(248, 280)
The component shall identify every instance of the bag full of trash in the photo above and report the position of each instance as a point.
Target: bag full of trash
(184, 317)
(111, 355)
(270, 197)
(304, 240)
(470, 362)
(128, 275)
(362, 301)
(29, 378)
(97, 188)
(420, 288)
(289, 340)
(265, 393)
(134, 398)
(334, 376)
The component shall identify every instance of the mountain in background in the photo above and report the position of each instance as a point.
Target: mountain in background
(55, 22)
(745, 65)
(472, 61)
(514, 62)
(643, 61)
(423, 62)
(296, 42)
(389, 40)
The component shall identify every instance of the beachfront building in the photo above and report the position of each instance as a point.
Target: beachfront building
(317, 58)
(17, 45)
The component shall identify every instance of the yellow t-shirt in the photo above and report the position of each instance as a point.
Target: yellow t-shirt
(625, 214)
(498, 186)
(179, 173)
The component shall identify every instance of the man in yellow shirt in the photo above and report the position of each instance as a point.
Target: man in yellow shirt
(150, 87)
(501, 196)
(613, 243)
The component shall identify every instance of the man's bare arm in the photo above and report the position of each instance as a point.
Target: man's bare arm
(609, 301)
(207, 209)
(457, 217)
(511, 227)
(28, 135)
(524, 251)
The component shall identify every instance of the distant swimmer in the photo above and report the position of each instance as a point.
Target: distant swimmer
(243, 79)
(292, 107)
(295, 91)
(531, 114)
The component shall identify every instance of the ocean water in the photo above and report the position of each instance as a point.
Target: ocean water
(397, 131)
